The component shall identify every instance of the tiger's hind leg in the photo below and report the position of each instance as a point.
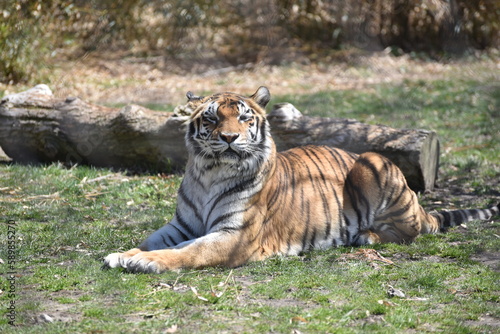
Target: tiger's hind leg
(378, 199)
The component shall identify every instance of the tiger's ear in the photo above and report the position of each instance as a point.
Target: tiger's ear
(191, 97)
(261, 96)
(193, 100)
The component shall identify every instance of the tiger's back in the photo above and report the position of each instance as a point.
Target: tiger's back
(240, 200)
(304, 200)
(324, 197)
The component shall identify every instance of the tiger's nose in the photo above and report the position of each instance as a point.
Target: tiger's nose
(229, 137)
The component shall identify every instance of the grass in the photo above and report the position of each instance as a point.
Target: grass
(67, 219)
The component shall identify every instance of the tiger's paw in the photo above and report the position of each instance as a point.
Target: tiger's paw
(147, 262)
(115, 260)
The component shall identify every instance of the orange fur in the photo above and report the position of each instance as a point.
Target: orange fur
(242, 201)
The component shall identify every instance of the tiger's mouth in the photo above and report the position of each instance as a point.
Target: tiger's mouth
(230, 150)
(230, 154)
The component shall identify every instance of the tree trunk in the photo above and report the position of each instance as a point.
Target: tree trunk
(36, 127)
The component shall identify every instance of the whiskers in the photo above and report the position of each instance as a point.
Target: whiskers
(237, 158)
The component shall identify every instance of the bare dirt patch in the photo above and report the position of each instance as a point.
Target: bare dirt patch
(246, 296)
(54, 306)
(486, 320)
(490, 259)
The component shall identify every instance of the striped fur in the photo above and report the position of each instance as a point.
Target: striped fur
(241, 201)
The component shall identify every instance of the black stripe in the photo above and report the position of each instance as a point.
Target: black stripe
(357, 197)
(340, 161)
(397, 199)
(457, 216)
(326, 207)
(447, 218)
(337, 169)
(196, 179)
(285, 178)
(332, 188)
(354, 156)
(312, 243)
(366, 163)
(273, 198)
(477, 213)
(223, 217)
(173, 242)
(192, 128)
(308, 153)
(263, 133)
(396, 213)
(184, 236)
(348, 237)
(387, 195)
(342, 227)
(388, 170)
(239, 187)
(184, 225)
(258, 129)
(299, 159)
(165, 241)
(189, 203)
(303, 206)
(229, 229)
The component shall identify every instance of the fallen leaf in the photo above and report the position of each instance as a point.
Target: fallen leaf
(386, 303)
(298, 319)
(180, 287)
(218, 294)
(198, 295)
(46, 318)
(367, 254)
(418, 299)
(172, 329)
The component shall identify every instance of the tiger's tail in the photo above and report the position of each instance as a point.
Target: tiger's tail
(447, 219)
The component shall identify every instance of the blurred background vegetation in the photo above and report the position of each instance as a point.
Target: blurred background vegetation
(38, 33)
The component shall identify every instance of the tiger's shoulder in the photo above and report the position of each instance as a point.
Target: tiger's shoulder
(320, 157)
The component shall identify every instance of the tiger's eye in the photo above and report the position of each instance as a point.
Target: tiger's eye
(210, 119)
(245, 118)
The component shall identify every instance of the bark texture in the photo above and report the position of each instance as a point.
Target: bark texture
(36, 127)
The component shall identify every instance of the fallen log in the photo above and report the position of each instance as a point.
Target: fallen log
(36, 127)
(415, 152)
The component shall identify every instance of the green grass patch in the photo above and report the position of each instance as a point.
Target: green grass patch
(68, 219)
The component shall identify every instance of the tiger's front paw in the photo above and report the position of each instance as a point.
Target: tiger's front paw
(115, 260)
(146, 262)
(154, 262)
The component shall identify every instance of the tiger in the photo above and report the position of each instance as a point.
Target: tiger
(240, 200)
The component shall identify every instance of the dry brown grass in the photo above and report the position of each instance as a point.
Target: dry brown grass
(125, 80)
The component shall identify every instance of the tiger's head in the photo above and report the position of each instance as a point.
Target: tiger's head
(229, 129)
